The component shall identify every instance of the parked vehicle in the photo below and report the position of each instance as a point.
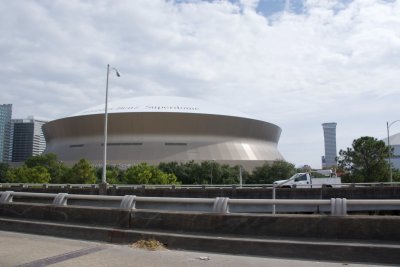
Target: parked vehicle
(307, 180)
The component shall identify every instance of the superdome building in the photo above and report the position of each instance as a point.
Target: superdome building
(163, 129)
(395, 144)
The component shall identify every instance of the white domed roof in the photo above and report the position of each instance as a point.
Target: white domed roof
(394, 139)
(162, 104)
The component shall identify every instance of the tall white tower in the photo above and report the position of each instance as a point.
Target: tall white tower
(329, 159)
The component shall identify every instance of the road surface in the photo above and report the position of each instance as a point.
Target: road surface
(28, 250)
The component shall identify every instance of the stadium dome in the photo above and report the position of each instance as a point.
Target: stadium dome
(163, 129)
(395, 144)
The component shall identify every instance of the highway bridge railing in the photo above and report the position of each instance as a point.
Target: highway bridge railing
(179, 186)
(221, 205)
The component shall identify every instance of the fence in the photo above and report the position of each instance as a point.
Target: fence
(222, 205)
(176, 186)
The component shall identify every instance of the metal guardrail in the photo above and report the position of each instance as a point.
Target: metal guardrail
(132, 186)
(178, 186)
(338, 206)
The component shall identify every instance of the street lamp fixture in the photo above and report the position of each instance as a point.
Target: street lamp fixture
(104, 177)
(390, 164)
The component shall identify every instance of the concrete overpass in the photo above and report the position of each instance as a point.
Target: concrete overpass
(354, 238)
(370, 191)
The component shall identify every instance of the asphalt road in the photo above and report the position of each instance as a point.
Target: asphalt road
(28, 250)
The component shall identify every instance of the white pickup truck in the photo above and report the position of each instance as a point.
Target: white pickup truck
(306, 180)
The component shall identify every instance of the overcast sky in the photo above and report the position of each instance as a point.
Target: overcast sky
(294, 63)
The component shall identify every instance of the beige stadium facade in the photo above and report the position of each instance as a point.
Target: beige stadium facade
(163, 129)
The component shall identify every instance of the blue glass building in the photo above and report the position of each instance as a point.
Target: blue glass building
(329, 160)
(5, 132)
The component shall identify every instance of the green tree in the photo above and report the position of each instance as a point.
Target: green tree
(365, 161)
(114, 174)
(186, 173)
(169, 167)
(221, 173)
(281, 168)
(174, 168)
(192, 173)
(81, 173)
(56, 168)
(210, 173)
(23, 174)
(39, 174)
(396, 175)
(206, 172)
(4, 172)
(268, 173)
(230, 174)
(146, 174)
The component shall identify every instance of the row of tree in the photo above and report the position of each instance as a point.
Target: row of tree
(365, 161)
(211, 172)
(48, 169)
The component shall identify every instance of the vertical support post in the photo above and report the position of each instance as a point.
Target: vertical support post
(128, 202)
(333, 208)
(338, 206)
(104, 178)
(60, 199)
(221, 205)
(6, 196)
(240, 177)
(273, 198)
(344, 207)
(211, 173)
(390, 163)
(103, 189)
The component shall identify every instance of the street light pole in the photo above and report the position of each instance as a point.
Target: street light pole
(240, 176)
(388, 138)
(104, 176)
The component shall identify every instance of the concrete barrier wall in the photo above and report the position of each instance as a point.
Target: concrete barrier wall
(108, 217)
(266, 225)
(382, 228)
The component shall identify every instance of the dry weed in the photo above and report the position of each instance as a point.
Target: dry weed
(150, 244)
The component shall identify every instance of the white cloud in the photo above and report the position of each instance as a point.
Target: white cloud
(337, 61)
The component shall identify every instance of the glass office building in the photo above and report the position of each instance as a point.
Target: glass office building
(329, 160)
(28, 138)
(5, 132)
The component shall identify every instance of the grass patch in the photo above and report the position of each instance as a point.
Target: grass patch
(150, 244)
